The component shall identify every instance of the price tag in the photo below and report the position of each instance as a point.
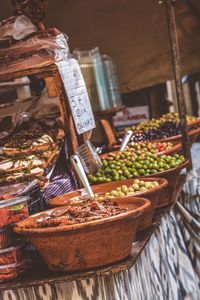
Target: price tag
(76, 90)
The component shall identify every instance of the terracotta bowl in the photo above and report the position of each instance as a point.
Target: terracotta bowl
(154, 195)
(176, 148)
(195, 122)
(167, 197)
(193, 134)
(86, 245)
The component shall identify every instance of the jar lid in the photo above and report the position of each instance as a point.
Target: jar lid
(13, 201)
(7, 192)
(15, 190)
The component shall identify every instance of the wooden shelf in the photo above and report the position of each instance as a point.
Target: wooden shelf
(31, 66)
(109, 112)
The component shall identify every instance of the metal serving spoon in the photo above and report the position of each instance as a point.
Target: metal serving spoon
(127, 136)
(81, 174)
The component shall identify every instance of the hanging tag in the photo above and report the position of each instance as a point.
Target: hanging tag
(76, 90)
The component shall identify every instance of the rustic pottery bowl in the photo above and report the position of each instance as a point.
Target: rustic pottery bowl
(193, 134)
(167, 197)
(176, 148)
(154, 195)
(195, 122)
(86, 245)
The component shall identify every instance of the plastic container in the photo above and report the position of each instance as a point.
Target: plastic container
(10, 191)
(12, 271)
(5, 238)
(100, 79)
(86, 64)
(92, 67)
(112, 81)
(13, 254)
(31, 189)
(13, 210)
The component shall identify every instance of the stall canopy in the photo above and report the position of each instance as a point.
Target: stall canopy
(133, 32)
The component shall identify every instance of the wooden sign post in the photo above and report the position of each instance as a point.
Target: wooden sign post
(175, 55)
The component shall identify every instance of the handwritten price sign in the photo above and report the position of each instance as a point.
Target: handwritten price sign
(77, 94)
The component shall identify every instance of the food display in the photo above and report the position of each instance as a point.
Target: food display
(101, 229)
(151, 188)
(143, 147)
(11, 191)
(152, 147)
(30, 190)
(138, 186)
(28, 142)
(88, 210)
(119, 166)
(4, 238)
(21, 176)
(115, 189)
(12, 254)
(25, 162)
(27, 155)
(13, 210)
(11, 271)
(167, 126)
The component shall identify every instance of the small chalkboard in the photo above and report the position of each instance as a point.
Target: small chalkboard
(76, 90)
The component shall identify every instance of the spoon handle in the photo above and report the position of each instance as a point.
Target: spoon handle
(81, 174)
(127, 136)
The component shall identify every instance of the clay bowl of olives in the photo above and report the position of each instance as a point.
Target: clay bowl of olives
(85, 244)
(167, 197)
(126, 166)
(156, 147)
(194, 122)
(150, 188)
(193, 132)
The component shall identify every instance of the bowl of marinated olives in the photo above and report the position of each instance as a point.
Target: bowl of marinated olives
(128, 187)
(193, 133)
(157, 148)
(165, 128)
(126, 166)
(150, 188)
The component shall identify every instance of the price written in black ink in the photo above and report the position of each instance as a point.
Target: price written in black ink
(77, 95)
(82, 112)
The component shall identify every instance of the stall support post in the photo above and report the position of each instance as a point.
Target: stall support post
(69, 127)
(169, 5)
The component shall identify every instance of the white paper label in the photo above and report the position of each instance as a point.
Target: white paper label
(76, 90)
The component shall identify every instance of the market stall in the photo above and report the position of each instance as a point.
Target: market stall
(119, 225)
(142, 276)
